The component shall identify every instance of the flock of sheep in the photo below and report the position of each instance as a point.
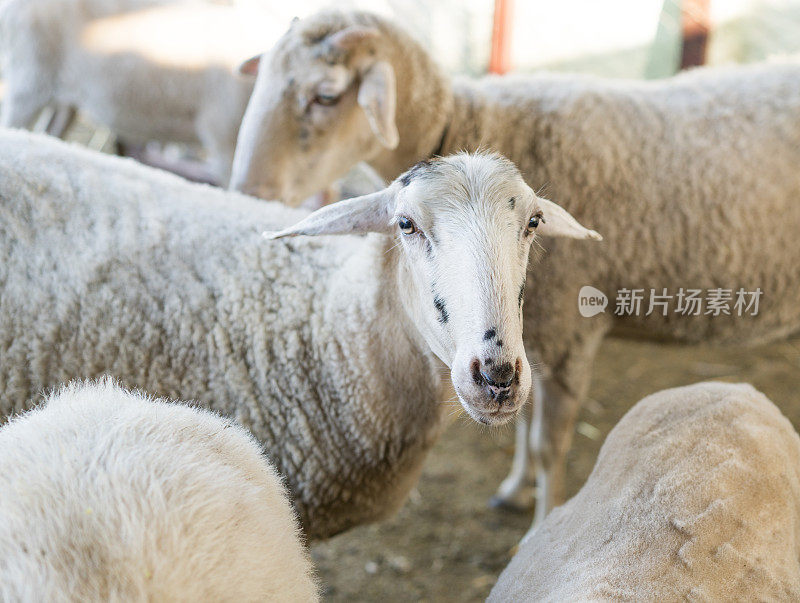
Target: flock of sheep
(327, 354)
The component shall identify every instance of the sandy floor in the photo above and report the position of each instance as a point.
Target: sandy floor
(446, 545)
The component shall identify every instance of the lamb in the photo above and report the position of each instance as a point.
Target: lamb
(693, 182)
(695, 496)
(108, 495)
(136, 66)
(330, 350)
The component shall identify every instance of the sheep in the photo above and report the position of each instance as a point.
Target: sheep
(331, 351)
(108, 495)
(692, 180)
(695, 496)
(139, 67)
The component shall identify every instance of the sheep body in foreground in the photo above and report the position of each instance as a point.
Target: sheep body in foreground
(108, 495)
(692, 180)
(695, 496)
(329, 350)
(139, 67)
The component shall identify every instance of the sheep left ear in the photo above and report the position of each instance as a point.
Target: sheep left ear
(250, 66)
(558, 222)
(377, 96)
(369, 213)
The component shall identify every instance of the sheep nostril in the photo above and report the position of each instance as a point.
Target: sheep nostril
(497, 379)
(499, 376)
(495, 384)
(475, 369)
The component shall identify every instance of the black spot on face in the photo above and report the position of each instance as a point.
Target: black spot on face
(521, 294)
(489, 334)
(499, 343)
(488, 361)
(443, 315)
(406, 178)
(512, 202)
(428, 249)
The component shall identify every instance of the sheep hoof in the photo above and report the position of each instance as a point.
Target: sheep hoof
(520, 504)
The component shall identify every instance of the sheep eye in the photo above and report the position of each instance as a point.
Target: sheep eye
(534, 221)
(406, 226)
(326, 99)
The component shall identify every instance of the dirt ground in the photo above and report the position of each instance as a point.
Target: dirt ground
(447, 545)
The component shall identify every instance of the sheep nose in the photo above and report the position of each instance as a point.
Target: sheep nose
(497, 378)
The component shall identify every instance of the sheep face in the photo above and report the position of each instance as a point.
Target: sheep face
(461, 231)
(315, 92)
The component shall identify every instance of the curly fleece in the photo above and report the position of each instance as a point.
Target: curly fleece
(113, 268)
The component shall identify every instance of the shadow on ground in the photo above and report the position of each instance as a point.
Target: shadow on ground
(446, 545)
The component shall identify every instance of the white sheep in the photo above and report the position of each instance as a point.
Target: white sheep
(107, 495)
(693, 182)
(162, 70)
(329, 349)
(695, 496)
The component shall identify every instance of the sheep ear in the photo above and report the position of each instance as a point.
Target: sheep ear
(558, 222)
(369, 213)
(351, 37)
(250, 66)
(377, 96)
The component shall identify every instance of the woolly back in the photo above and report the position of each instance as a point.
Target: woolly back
(695, 495)
(108, 495)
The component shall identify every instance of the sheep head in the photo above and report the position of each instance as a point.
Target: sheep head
(324, 99)
(461, 231)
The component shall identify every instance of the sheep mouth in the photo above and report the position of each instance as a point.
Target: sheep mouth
(495, 417)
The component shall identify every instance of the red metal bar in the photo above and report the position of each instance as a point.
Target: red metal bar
(695, 25)
(500, 58)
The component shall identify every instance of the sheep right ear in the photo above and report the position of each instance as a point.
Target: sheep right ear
(250, 66)
(369, 213)
(558, 222)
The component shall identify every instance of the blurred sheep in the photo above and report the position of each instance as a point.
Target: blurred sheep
(108, 495)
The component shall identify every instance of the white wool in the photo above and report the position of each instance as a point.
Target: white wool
(695, 496)
(109, 495)
(692, 181)
(324, 347)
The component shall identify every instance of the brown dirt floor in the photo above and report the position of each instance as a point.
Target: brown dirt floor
(447, 545)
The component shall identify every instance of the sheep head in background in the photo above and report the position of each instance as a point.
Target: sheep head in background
(325, 99)
(464, 226)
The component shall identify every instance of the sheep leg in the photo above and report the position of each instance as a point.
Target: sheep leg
(550, 438)
(516, 492)
(220, 160)
(218, 137)
(553, 425)
(61, 121)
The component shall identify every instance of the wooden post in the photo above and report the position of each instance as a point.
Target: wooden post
(500, 58)
(695, 25)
